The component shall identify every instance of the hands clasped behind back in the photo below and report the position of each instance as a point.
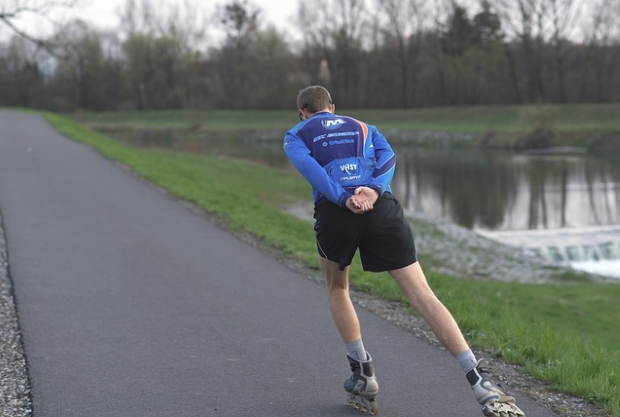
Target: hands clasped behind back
(362, 200)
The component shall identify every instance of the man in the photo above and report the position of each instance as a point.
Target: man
(349, 165)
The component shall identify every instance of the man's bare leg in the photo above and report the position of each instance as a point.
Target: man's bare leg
(496, 401)
(412, 282)
(342, 310)
(362, 385)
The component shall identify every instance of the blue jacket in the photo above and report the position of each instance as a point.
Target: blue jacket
(336, 154)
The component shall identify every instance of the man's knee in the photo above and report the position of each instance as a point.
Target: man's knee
(336, 285)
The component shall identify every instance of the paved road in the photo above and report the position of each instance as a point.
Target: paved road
(132, 305)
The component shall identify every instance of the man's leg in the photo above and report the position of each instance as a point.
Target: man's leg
(413, 283)
(340, 304)
(496, 401)
(362, 385)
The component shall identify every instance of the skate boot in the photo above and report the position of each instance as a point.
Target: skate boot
(362, 385)
(495, 399)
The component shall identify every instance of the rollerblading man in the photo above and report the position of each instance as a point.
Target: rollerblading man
(350, 165)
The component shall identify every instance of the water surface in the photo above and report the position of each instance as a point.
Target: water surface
(565, 207)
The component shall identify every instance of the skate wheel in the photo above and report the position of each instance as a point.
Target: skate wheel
(497, 409)
(354, 404)
(364, 404)
(374, 407)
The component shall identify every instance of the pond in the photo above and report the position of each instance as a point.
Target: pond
(508, 191)
(563, 206)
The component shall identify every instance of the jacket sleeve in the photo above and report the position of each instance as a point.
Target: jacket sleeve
(299, 155)
(386, 162)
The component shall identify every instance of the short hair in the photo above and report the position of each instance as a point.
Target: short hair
(313, 99)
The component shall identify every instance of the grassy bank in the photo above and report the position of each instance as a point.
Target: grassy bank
(573, 125)
(564, 334)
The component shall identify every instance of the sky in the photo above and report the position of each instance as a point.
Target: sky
(103, 14)
(275, 11)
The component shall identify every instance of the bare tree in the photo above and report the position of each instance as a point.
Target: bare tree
(235, 60)
(184, 22)
(602, 42)
(491, 62)
(155, 71)
(525, 23)
(405, 19)
(161, 44)
(272, 64)
(21, 78)
(563, 14)
(240, 19)
(440, 11)
(90, 76)
(334, 31)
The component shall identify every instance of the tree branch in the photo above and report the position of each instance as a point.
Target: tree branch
(41, 9)
(40, 43)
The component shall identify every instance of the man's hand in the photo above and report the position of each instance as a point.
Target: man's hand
(363, 200)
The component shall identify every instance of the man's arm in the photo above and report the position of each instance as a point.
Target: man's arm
(299, 155)
(386, 162)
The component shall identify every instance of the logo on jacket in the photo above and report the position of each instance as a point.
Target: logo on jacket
(348, 169)
(331, 124)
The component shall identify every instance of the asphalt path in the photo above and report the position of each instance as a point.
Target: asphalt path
(131, 304)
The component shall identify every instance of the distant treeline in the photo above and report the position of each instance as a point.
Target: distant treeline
(370, 53)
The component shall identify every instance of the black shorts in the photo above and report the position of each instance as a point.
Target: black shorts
(383, 236)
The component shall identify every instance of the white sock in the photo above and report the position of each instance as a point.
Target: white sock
(467, 360)
(356, 350)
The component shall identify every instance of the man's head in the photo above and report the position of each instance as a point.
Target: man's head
(312, 100)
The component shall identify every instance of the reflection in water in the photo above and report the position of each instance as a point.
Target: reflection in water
(563, 207)
(506, 191)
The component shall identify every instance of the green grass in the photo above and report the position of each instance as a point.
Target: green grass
(479, 119)
(186, 119)
(564, 334)
(579, 119)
